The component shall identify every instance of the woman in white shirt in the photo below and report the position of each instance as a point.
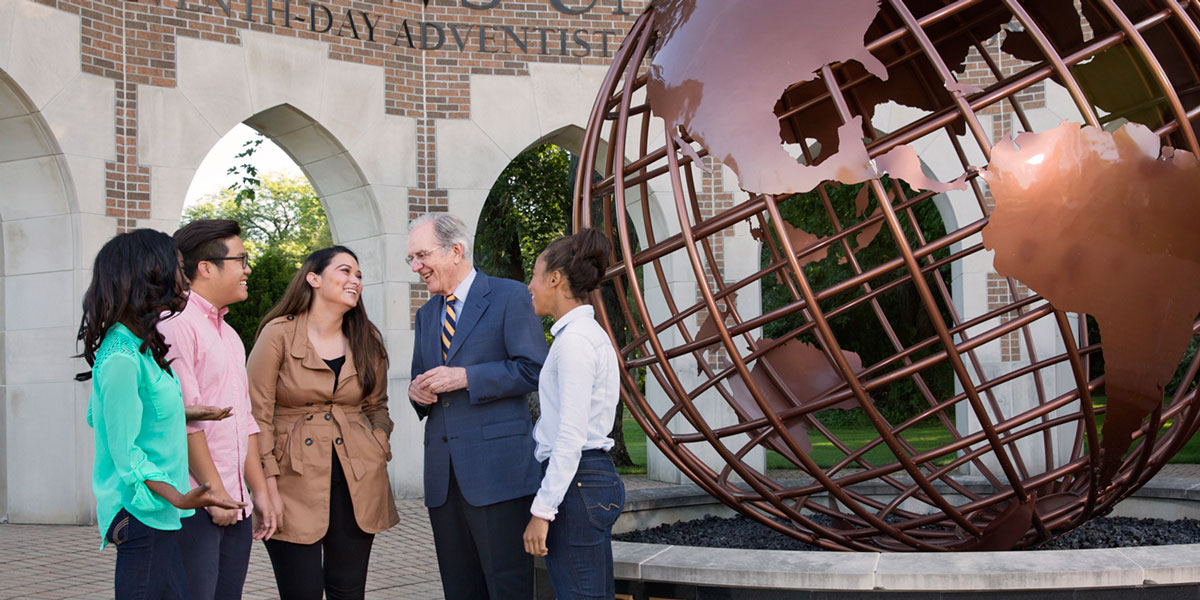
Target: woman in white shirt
(581, 494)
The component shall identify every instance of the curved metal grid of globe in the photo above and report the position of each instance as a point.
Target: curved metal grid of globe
(905, 274)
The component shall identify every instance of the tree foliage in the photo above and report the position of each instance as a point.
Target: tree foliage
(282, 222)
(528, 207)
(859, 330)
(283, 213)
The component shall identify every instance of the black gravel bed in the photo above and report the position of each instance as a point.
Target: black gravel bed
(742, 532)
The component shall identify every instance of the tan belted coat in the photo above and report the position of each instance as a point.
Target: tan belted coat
(304, 422)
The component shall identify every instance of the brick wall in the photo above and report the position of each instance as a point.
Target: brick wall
(428, 51)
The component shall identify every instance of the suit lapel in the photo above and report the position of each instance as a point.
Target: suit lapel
(432, 344)
(477, 303)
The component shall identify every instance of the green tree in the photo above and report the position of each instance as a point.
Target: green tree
(282, 222)
(858, 330)
(528, 207)
(283, 212)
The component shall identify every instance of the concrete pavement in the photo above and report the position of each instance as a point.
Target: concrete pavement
(58, 562)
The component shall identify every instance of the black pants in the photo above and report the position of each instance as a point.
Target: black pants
(336, 564)
(480, 549)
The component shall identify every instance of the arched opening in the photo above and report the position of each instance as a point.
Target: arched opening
(38, 319)
(315, 196)
(247, 178)
(351, 201)
(528, 207)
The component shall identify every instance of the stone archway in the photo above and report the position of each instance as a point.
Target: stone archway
(329, 117)
(39, 315)
(133, 95)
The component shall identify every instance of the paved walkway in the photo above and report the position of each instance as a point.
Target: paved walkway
(57, 562)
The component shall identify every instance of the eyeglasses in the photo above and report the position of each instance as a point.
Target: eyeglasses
(422, 255)
(242, 258)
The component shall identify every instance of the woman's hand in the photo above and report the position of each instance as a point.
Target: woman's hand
(264, 518)
(207, 413)
(535, 536)
(276, 501)
(199, 496)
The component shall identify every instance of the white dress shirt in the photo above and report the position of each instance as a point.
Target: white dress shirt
(578, 389)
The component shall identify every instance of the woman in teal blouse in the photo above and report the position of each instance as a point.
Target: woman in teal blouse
(140, 473)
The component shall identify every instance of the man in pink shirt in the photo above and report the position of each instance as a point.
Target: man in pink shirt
(209, 359)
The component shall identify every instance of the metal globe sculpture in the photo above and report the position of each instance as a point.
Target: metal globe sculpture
(966, 229)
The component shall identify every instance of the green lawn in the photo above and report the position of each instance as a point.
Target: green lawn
(635, 444)
(922, 437)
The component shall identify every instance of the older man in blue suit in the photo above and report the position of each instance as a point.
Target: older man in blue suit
(477, 352)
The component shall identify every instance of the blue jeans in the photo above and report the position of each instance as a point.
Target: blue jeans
(579, 561)
(149, 565)
(215, 557)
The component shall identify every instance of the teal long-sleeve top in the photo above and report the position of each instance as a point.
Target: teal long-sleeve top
(136, 410)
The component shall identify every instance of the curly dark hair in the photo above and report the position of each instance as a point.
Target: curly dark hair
(136, 281)
(582, 258)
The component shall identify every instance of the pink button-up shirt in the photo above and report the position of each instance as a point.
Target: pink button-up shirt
(210, 362)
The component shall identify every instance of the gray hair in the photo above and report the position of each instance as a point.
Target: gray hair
(447, 230)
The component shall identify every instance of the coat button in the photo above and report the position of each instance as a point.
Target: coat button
(446, 404)
(328, 416)
(444, 439)
(338, 441)
(308, 442)
(308, 418)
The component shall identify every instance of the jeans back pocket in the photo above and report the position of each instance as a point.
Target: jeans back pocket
(118, 532)
(603, 495)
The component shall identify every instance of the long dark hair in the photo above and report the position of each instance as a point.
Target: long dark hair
(363, 337)
(136, 278)
(582, 258)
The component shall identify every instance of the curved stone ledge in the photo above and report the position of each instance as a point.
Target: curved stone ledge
(1142, 568)
(916, 571)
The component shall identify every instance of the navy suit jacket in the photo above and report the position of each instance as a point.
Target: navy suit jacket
(485, 429)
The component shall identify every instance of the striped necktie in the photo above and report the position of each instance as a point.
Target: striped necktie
(448, 326)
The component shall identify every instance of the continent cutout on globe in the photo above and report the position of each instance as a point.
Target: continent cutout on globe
(701, 80)
(791, 375)
(1105, 224)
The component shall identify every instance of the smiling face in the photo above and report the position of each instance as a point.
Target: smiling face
(229, 276)
(441, 268)
(340, 284)
(221, 279)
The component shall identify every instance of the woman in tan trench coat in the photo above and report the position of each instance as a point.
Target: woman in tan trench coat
(318, 384)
